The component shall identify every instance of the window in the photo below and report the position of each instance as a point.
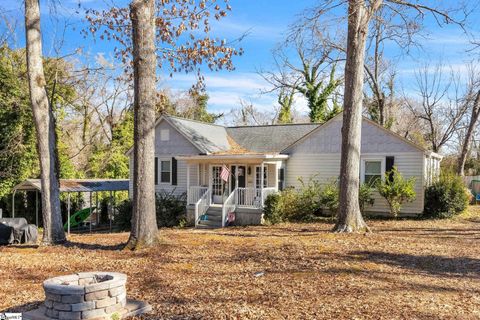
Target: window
(258, 176)
(165, 171)
(372, 171)
(164, 135)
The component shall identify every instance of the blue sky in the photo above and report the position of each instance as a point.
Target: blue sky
(266, 22)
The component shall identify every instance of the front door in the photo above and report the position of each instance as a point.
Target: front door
(238, 179)
(218, 185)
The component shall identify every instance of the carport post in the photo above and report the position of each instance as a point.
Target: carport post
(36, 207)
(68, 209)
(13, 203)
(90, 211)
(111, 210)
(97, 217)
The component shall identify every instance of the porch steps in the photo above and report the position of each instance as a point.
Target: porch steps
(214, 219)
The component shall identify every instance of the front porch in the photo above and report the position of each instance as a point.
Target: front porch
(211, 200)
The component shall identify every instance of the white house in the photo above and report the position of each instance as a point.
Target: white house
(189, 156)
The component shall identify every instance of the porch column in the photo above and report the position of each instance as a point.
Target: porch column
(262, 170)
(277, 168)
(188, 183)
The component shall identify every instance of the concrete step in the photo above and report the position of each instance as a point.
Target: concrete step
(214, 217)
(204, 226)
(210, 223)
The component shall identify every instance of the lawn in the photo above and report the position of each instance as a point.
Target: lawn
(403, 270)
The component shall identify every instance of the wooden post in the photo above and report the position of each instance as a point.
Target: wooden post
(68, 211)
(96, 205)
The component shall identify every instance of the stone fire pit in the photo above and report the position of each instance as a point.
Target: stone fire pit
(87, 295)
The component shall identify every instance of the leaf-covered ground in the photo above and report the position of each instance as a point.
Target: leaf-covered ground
(404, 270)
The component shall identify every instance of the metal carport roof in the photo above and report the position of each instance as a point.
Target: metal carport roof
(77, 185)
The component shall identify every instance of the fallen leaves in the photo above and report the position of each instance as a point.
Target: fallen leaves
(404, 270)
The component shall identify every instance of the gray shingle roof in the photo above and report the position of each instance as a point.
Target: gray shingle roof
(212, 138)
(269, 138)
(209, 138)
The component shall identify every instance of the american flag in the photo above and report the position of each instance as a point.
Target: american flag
(225, 173)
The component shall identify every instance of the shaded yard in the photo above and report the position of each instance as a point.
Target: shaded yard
(404, 270)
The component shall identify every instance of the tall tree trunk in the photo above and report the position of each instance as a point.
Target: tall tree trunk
(45, 127)
(144, 221)
(468, 136)
(349, 216)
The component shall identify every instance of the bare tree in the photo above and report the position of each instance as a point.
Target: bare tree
(349, 215)
(314, 77)
(249, 115)
(144, 220)
(45, 126)
(473, 100)
(441, 105)
(360, 13)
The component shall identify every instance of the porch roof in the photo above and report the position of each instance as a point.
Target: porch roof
(226, 157)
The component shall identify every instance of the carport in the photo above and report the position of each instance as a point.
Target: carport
(68, 186)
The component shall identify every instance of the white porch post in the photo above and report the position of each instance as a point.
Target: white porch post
(198, 174)
(188, 183)
(277, 168)
(262, 170)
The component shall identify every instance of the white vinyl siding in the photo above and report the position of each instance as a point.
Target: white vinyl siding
(165, 150)
(326, 168)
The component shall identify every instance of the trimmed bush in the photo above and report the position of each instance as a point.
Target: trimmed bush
(445, 197)
(396, 190)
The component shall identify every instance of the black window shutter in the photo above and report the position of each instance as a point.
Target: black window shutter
(281, 178)
(156, 170)
(174, 171)
(389, 163)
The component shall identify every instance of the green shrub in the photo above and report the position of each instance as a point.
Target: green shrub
(291, 204)
(307, 202)
(396, 190)
(271, 214)
(365, 196)
(170, 210)
(123, 217)
(330, 198)
(445, 197)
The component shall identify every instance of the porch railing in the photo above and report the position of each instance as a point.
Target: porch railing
(195, 193)
(202, 205)
(248, 197)
(252, 197)
(228, 206)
